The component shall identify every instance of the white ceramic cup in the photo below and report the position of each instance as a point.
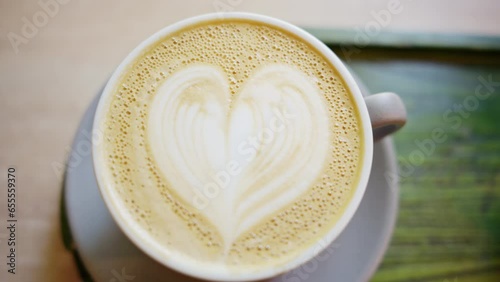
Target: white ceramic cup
(381, 114)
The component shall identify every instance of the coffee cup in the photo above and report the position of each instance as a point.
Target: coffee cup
(236, 147)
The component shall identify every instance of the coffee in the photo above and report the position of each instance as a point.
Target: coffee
(231, 145)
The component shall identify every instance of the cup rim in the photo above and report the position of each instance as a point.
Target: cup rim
(186, 266)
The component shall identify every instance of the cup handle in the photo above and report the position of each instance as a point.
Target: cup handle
(387, 113)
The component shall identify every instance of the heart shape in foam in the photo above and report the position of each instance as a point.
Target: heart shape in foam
(239, 158)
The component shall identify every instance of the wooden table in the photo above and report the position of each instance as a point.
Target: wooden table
(449, 220)
(449, 223)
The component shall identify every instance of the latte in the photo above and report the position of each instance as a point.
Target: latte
(232, 145)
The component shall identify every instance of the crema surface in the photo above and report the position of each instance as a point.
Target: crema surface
(234, 145)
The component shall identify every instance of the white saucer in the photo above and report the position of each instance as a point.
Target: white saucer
(108, 256)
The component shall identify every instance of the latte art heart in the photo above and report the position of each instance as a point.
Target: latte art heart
(238, 158)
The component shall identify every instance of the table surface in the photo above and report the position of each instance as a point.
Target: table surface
(448, 227)
(449, 222)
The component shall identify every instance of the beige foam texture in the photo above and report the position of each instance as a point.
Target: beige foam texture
(238, 48)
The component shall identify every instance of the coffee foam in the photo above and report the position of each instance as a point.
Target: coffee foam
(226, 58)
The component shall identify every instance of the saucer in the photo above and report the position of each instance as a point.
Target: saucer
(107, 255)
